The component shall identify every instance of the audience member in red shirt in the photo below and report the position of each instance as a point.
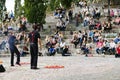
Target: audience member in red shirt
(117, 51)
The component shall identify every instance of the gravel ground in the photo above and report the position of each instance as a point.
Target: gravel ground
(76, 67)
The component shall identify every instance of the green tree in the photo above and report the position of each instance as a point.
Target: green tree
(2, 8)
(35, 10)
(54, 4)
(66, 3)
(58, 3)
(17, 8)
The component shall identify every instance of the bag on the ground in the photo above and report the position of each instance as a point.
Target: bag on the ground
(2, 69)
(25, 48)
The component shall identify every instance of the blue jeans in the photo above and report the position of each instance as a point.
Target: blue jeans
(85, 23)
(98, 50)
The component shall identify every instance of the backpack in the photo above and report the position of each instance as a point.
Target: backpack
(2, 69)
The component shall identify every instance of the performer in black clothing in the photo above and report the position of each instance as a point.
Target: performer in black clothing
(34, 39)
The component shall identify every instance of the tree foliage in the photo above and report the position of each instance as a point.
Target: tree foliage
(2, 8)
(17, 8)
(60, 3)
(66, 3)
(55, 3)
(35, 10)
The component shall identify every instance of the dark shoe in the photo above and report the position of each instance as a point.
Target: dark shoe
(86, 55)
(18, 64)
(12, 65)
(35, 68)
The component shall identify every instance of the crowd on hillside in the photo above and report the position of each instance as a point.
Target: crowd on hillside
(92, 30)
(89, 17)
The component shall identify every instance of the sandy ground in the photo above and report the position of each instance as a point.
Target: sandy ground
(77, 67)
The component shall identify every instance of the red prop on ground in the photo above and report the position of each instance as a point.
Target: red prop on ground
(24, 63)
(54, 67)
(1, 61)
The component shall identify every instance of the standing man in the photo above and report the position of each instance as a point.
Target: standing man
(34, 39)
(13, 49)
